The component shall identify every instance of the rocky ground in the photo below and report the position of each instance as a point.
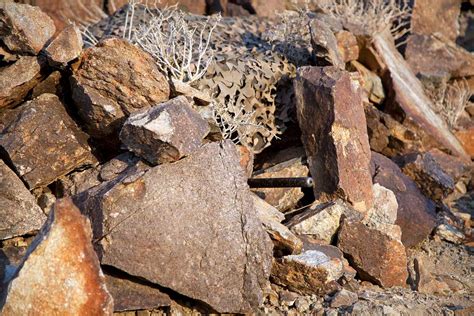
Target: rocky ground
(313, 162)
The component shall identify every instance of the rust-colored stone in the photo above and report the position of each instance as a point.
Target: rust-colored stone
(347, 46)
(66, 47)
(466, 137)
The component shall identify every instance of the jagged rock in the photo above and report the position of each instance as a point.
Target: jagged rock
(331, 117)
(407, 100)
(43, 142)
(325, 45)
(166, 132)
(449, 233)
(60, 274)
(452, 166)
(213, 230)
(416, 214)
(17, 79)
(425, 282)
(19, 213)
(344, 298)
(25, 29)
(312, 272)
(347, 46)
(435, 57)
(130, 296)
(376, 256)
(441, 16)
(113, 80)
(371, 83)
(323, 225)
(284, 240)
(66, 47)
(282, 198)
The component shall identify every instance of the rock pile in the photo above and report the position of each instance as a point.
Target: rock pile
(120, 191)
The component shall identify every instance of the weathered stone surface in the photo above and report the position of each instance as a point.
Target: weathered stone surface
(66, 47)
(325, 45)
(25, 28)
(376, 256)
(466, 137)
(213, 230)
(60, 274)
(282, 198)
(407, 100)
(347, 46)
(344, 298)
(19, 213)
(312, 272)
(166, 132)
(43, 142)
(52, 84)
(113, 80)
(17, 79)
(331, 117)
(371, 83)
(439, 16)
(129, 295)
(284, 240)
(416, 214)
(247, 158)
(449, 233)
(433, 57)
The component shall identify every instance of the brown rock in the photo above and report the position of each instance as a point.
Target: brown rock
(24, 28)
(17, 79)
(282, 198)
(344, 298)
(325, 45)
(441, 16)
(166, 132)
(376, 256)
(371, 83)
(52, 84)
(332, 121)
(435, 57)
(246, 159)
(60, 274)
(466, 137)
(129, 295)
(66, 47)
(416, 213)
(268, 8)
(19, 213)
(312, 272)
(113, 80)
(213, 230)
(407, 100)
(43, 142)
(347, 46)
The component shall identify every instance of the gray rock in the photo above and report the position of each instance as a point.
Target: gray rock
(166, 132)
(325, 46)
(66, 47)
(19, 213)
(205, 243)
(344, 298)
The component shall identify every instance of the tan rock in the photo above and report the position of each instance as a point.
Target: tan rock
(371, 83)
(60, 274)
(466, 137)
(347, 46)
(66, 47)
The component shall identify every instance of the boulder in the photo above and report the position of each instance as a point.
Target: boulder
(416, 214)
(19, 213)
(17, 79)
(331, 117)
(60, 274)
(66, 47)
(325, 45)
(25, 29)
(43, 142)
(166, 132)
(376, 256)
(213, 230)
(113, 80)
(312, 272)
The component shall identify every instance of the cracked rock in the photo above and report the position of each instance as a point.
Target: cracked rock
(213, 230)
(43, 142)
(60, 274)
(66, 47)
(166, 132)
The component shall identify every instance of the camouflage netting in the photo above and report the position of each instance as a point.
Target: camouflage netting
(248, 74)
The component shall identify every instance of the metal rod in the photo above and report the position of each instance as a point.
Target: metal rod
(303, 182)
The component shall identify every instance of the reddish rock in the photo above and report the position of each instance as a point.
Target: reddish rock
(17, 79)
(19, 213)
(113, 80)
(441, 16)
(166, 132)
(407, 100)
(25, 29)
(466, 137)
(246, 160)
(416, 214)
(347, 46)
(60, 274)
(43, 142)
(213, 230)
(66, 47)
(376, 256)
(331, 117)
